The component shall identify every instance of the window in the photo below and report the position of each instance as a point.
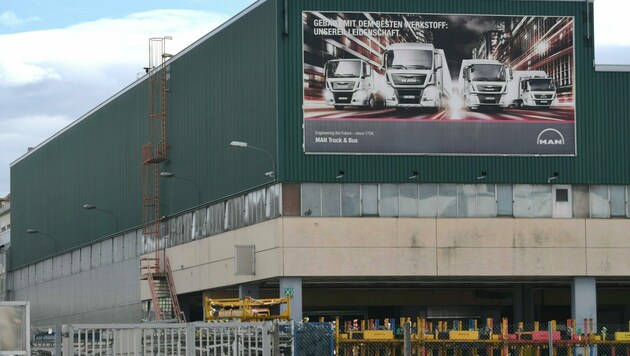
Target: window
(485, 201)
(350, 200)
(532, 201)
(447, 200)
(580, 201)
(617, 201)
(427, 200)
(504, 200)
(408, 200)
(562, 195)
(369, 199)
(598, 199)
(389, 200)
(311, 200)
(331, 200)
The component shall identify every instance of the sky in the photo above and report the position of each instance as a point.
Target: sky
(60, 59)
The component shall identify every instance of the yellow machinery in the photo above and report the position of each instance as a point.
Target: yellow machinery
(245, 309)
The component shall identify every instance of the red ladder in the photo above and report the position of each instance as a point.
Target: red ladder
(171, 287)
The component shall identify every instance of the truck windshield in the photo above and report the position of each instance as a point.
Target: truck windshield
(409, 59)
(487, 72)
(343, 69)
(541, 85)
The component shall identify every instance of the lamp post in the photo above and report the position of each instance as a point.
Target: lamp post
(93, 207)
(242, 144)
(172, 175)
(35, 231)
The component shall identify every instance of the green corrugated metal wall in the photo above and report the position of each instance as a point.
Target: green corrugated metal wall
(245, 83)
(222, 90)
(602, 123)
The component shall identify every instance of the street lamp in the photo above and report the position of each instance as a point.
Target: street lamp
(93, 207)
(242, 144)
(35, 231)
(172, 175)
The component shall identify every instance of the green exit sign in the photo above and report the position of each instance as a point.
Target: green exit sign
(288, 292)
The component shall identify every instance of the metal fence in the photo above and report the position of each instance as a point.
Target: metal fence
(452, 339)
(315, 339)
(203, 339)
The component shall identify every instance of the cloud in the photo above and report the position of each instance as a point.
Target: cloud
(610, 22)
(10, 19)
(86, 48)
(19, 133)
(52, 77)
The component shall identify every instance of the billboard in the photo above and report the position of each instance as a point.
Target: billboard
(435, 84)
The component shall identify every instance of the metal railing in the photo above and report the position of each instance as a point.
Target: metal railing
(323, 339)
(203, 339)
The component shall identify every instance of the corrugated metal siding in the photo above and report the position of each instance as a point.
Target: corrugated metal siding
(602, 122)
(96, 161)
(224, 89)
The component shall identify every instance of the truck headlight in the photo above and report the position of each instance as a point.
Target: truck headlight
(390, 93)
(360, 95)
(431, 93)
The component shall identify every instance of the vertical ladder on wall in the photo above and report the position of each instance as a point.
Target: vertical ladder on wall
(154, 153)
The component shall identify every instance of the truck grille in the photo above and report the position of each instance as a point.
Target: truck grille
(343, 98)
(491, 99)
(543, 96)
(409, 96)
(489, 88)
(349, 85)
(409, 79)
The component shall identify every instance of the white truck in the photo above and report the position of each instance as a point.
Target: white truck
(484, 83)
(417, 76)
(531, 88)
(352, 82)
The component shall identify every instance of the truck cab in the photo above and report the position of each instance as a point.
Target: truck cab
(417, 76)
(351, 82)
(532, 88)
(484, 83)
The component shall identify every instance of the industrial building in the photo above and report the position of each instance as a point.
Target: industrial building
(223, 172)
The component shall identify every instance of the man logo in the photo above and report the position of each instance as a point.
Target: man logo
(550, 137)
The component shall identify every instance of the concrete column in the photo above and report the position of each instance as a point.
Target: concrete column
(249, 290)
(584, 306)
(583, 300)
(517, 303)
(528, 304)
(293, 286)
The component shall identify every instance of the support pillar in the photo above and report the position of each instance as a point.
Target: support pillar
(292, 286)
(249, 290)
(517, 303)
(528, 304)
(584, 306)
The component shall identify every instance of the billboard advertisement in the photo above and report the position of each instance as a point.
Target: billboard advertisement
(435, 84)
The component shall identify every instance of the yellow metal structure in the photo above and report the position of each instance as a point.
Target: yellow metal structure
(246, 309)
(463, 335)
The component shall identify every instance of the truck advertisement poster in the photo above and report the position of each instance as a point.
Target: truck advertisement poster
(436, 84)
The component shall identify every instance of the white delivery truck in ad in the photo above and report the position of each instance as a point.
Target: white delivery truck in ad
(417, 76)
(484, 83)
(531, 88)
(352, 82)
